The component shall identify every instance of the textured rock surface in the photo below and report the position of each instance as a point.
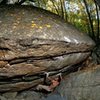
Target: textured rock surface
(83, 85)
(32, 41)
(26, 95)
(54, 96)
(23, 21)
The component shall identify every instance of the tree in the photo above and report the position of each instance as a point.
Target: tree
(98, 2)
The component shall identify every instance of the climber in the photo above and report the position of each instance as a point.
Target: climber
(49, 83)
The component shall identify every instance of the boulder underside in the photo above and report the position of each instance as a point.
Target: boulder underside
(23, 63)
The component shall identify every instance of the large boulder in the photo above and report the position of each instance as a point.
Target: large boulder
(33, 40)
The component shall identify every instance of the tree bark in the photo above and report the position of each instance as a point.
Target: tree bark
(90, 20)
(98, 2)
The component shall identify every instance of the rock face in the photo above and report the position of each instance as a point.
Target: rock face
(32, 41)
(25, 95)
(83, 85)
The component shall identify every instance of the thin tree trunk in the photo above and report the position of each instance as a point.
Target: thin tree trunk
(55, 7)
(90, 20)
(65, 12)
(98, 3)
(62, 10)
(98, 24)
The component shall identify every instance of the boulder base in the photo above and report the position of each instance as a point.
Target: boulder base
(83, 85)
